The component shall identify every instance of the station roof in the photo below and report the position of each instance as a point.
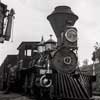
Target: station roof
(28, 45)
(10, 59)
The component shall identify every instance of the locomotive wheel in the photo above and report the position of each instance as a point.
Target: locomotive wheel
(64, 60)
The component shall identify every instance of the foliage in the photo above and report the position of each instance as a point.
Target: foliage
(85, 62)
(89, 68)
(96, 53)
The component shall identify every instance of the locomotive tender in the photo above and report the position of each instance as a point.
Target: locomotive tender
(52, 71)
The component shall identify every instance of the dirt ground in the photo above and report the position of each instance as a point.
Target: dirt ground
(13, 96)
(96, 97)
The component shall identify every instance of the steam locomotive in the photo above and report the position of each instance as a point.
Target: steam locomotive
(52, 71)
(56, 63)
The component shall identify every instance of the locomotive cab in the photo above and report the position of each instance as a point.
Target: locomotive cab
(26, 52)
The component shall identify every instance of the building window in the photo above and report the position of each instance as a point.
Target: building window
(29, 52)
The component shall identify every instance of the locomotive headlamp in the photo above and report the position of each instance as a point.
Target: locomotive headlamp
(71, 35)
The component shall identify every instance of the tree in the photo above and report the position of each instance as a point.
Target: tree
(96, 53)
(85, 62)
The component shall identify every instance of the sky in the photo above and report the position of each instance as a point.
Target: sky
(31, 23)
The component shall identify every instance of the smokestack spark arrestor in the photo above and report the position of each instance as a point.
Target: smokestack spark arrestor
(61, 18)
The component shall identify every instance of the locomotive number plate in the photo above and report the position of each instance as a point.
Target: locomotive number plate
(43, 71)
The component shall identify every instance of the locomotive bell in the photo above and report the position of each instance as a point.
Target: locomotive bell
(61, 17)
(50, 44)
